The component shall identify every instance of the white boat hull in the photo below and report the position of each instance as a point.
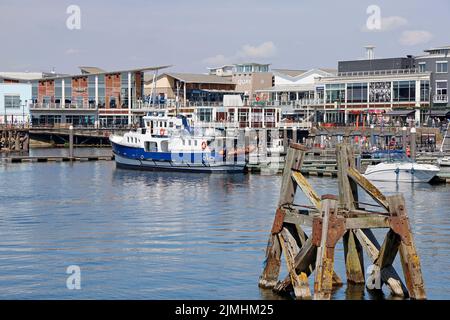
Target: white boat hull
(401, 172)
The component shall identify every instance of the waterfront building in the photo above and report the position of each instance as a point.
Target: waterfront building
(362, 92)
(436, 61)
(188, 88)
(15, 96)
(250, 77)
(93, 97)
(223, 71)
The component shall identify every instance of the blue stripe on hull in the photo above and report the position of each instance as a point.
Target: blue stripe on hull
(137, 158)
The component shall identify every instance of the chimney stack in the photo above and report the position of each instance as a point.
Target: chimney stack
(369, 52)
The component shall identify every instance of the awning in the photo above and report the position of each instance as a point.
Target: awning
(399, 113)
(438, 113)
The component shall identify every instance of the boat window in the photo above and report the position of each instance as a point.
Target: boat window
(164, 146)
(184, 143)
(170, 124)
(190, 142)
(150, 146)
(195, 142)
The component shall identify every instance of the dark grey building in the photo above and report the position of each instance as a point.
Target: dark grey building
(376, 64)
(436, 61)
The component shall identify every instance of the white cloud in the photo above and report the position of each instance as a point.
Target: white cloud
(389, 24)
(415, 37)
(72, 51)
(217, 60)
(264, 50)
(392, 23)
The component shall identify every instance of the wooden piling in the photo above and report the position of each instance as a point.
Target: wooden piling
(333, 218)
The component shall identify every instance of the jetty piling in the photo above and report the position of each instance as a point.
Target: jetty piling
(333, 218)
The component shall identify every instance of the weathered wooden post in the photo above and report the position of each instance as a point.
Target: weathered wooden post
(294, 134)
(71, 142)
(285, 139)
(412, 139)
(294, 160)
(331, 219)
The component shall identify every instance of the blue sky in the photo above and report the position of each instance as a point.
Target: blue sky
(192, 35)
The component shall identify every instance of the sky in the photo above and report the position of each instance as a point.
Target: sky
(196, 34)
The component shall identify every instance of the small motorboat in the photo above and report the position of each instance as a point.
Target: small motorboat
(399, 168)
(444, 162)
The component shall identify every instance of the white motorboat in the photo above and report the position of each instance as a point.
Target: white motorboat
(400, 168)
(444, 162)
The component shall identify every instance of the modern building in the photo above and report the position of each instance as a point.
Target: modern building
(15, 97)
(94, 97)
(250, 77)
(223, 71)
(362, 92)
(436, 62)
(189, 88)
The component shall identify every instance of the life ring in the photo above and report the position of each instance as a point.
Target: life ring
(161, 132)
(203, 145)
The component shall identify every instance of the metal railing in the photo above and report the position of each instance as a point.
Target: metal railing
(379, 72)
(440, 98)
(52, 105)
(293, 103)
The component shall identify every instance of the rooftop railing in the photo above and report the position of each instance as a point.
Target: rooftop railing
(51, 105)
(380, 72)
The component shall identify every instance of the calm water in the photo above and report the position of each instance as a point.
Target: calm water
(147, 235)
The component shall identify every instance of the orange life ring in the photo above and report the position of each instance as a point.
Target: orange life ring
(203, 145)
(161, 132)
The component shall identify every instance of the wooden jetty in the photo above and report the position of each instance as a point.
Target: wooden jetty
(20, 159)
(335, 217)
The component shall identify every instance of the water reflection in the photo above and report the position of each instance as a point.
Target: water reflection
(162, 235)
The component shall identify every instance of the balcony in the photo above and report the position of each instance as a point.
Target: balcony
(59, 106)
(440, 98)
(295, 103)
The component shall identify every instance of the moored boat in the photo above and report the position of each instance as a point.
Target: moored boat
(399, 168)
(169, 143)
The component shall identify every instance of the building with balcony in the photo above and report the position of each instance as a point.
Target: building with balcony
(93, 97)
(436, 61)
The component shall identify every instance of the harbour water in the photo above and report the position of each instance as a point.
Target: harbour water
(150, 235)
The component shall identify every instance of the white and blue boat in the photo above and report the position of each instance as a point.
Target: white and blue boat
(169, 143)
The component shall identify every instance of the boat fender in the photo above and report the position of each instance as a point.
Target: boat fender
(142, 157)
(203, 145)
(161, 132)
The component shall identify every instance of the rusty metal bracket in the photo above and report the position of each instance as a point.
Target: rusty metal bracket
(400, 225)
(316, 236)
(278, 221)
(336, 230)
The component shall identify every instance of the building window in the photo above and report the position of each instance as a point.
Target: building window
(422, 66)
(441, 67)
(12, 101)
(205, 114)
(335, 92)
(425, 90)
(380, 92)
(441, 88)
(404, 91)
(356, 92)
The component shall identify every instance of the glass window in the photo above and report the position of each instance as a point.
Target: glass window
(12, 101)
(442, 67)
(356, 92)
(404, 91)
(441, 88)
(335, 92)
(425, 90)
(422, 66)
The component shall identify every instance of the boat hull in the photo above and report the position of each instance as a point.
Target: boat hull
(401, 172)
(136, 158)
